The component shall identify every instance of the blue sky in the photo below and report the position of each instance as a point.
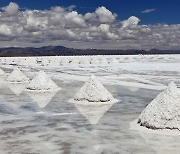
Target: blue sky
(104, 24)
(166, 11)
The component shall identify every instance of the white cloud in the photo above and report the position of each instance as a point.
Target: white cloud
(148, 10)
(132, 21)
(5, 30)
(98, 29)
(11, 9)
(104, 15)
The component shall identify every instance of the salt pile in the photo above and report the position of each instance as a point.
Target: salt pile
(42, 82)
(75, 61)
(104, 61)
(114, 61)
(93, 91)
(64, 61)
(17, 77)
(164, 111)
(94, 61)
(84, 60)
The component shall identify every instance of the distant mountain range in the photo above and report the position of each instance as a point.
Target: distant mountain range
(63, 51)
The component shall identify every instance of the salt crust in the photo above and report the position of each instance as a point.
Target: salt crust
(42, 82)
(164, 111)
(17, 77)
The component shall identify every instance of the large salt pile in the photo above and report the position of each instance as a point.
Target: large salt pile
(42, 82)
(164, 111)
(93, 91)
(17, 77)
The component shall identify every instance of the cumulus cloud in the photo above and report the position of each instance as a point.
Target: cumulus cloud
(132, 21)
(5, 30)
(104, 15)
(11, 9)
(98, 29)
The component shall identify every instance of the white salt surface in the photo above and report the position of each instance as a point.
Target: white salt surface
(17, 77)
(42, 82)
(164, 111)
(2, 73)
(93, 91)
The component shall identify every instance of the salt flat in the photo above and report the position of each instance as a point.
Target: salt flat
(48, 123)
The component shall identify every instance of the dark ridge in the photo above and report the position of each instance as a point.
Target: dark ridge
(63, 51)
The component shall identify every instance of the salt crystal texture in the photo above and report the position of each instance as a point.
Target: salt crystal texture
(93, 91)
(17, 77)
(42, 82)
(164, 111)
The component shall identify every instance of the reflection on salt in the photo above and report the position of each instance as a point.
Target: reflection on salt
(2, 81)
(17, 88)
(161, 143)
(42, 98)
(93, 111)
(133, 89)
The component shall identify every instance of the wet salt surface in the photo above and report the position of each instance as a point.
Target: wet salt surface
(63, 127)
(27, 127)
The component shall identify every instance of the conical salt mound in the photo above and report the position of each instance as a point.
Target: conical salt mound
(42, 82)
(17, 77)
(93, 91)
(164, 111)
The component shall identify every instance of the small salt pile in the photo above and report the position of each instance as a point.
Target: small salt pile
(17, 77)
(64, 61)
(104, 61)
(94, 61)
(84, 60)
(75, 61)
(93, 91)
(164, 111)
(114, 61)
(42, 82)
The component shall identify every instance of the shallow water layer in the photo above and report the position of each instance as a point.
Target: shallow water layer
(63, 127)
(47, 123)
